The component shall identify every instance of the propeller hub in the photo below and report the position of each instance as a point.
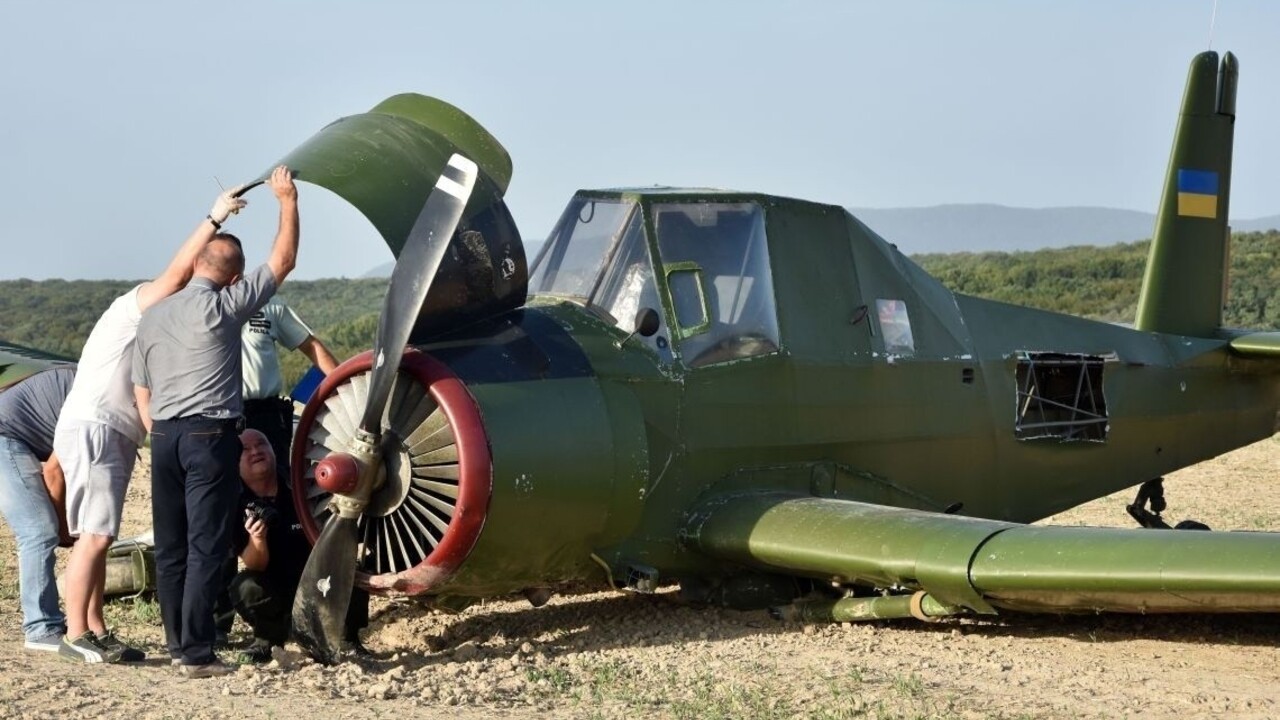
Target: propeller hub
(338, 473)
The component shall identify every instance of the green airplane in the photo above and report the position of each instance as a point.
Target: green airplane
(760, 399)
(19, 363)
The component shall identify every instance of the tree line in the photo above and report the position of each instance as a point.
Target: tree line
(1095, 282)
(1103, 283)
(57, 315)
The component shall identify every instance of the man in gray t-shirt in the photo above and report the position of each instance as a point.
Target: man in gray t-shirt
(187, 376)
(32, 497)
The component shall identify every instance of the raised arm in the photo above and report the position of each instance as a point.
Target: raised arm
(284, 252)
(175, 277)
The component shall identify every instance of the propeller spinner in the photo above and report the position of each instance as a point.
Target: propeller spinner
(324, 593)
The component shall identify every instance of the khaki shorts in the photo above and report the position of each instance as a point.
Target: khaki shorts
(97, 462)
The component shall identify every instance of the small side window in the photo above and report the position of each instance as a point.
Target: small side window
(895, 327)
(690, 297)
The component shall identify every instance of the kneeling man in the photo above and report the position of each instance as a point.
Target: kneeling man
(273, 549)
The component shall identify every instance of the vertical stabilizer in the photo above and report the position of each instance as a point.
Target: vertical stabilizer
(1184, 288)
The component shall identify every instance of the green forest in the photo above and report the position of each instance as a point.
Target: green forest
(57, 315)
(1103, 282)
(1095, 282)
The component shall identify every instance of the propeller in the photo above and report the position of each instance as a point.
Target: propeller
(324, 592)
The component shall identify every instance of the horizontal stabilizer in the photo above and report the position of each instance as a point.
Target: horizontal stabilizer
(986, 564)
(1263, 344)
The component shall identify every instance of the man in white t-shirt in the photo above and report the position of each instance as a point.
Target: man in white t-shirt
(97, 439)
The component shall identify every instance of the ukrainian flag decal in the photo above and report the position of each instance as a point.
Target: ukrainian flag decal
(1197, 193)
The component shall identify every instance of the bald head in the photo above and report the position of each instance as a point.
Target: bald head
(257, 460)
(222, 260)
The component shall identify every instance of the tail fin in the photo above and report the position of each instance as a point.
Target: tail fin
(1184, 288)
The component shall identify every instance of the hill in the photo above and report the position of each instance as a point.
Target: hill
(1097, 282)
(531, 248)
(969, 228)
(994, 228)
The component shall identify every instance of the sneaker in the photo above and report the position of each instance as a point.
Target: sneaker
(257, 653)
(122, 651)
(217, 668)
(44, 643)
(86, 648)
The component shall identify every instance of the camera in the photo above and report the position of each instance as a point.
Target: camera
(260, 510)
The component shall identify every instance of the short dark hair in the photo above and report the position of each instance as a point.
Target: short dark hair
(225, 265)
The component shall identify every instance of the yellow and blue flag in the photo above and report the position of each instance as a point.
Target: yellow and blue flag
(1197, 193)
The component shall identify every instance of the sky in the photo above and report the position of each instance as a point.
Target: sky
(120, 118)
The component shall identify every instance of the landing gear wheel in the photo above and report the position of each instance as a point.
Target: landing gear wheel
(435, 479)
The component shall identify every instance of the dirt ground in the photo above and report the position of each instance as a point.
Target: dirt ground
(615, 655)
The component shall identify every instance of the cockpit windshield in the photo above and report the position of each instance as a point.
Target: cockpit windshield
(582, 242)
(598, 256)
(715, 263)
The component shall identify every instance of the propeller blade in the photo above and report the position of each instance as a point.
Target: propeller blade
(324, 592)
(411, 279)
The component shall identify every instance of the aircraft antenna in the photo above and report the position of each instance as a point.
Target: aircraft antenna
(1213, 19)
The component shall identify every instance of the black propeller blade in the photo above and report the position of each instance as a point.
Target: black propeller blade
(324, 592)
(411, 279)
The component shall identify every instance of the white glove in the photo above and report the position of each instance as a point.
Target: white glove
(226, 205)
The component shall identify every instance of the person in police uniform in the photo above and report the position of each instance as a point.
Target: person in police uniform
(265, 407)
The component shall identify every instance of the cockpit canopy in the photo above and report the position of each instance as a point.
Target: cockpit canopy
(702, 264)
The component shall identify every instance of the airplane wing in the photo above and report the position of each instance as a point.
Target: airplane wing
(1261, 344)
(18, 362)
(968, 564)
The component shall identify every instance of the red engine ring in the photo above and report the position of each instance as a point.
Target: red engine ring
(475, 470)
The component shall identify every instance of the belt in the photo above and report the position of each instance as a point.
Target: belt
(235, 424)
(267, 402)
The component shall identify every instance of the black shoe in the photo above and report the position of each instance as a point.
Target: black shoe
(122, 652)
(257, 653)
(355, 647)
(217, 668)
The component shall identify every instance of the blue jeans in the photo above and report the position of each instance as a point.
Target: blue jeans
(26, 506)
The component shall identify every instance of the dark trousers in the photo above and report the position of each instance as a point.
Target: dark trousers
(273, 417)
(265, 601)
(224, 613)
(194, 486)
